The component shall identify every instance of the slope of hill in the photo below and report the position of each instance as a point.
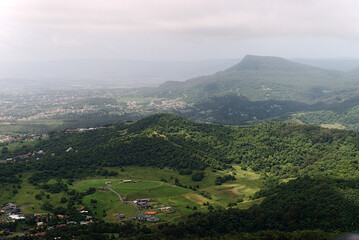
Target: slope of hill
(168, 140)
(341, 64)
(259, 78)
(273, 64)
(322, 163)
(353, 74)
(266, 88)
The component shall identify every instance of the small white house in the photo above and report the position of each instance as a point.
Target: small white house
(16, 217)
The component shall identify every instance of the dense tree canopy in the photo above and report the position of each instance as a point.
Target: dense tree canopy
(323, 163)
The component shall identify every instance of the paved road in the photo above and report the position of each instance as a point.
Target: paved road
(125, 202)
(119, 196)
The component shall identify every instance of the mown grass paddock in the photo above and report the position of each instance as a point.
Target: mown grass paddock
(147, 182)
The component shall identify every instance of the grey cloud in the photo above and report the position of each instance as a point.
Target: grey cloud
(67, 25)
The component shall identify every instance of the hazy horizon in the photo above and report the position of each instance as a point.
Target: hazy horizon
(145, 43)
(157, 30)
(125, 73)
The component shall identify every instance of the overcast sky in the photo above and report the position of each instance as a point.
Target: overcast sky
(177, 29)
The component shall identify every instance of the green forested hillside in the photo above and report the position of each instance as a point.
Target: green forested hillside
(236, 110)
(279, 149)
(309, 173)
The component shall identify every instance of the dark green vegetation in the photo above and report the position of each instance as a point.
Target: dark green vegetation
(309, 173)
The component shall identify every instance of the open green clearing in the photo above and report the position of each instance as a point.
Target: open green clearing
(30, 126)
(108, 204)
(147, 184)
(25, 196)
(17, 148)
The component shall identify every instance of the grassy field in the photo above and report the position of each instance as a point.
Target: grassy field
(31, 126)
(25, 198)
(18, 145)
(108, 204)
(333, 126)
(245, 185)
(149, 182)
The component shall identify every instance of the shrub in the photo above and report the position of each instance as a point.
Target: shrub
(198, 176)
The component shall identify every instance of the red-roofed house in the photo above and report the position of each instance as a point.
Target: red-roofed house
(150, 213)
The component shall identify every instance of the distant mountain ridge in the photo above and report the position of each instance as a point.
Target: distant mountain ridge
(252, 62)
(264, 88)
(341, 64)
(259, 78)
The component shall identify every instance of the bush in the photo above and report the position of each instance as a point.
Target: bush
(226, 178)
(47, 206)
(232, 204)
(198, 176)
(185, 172)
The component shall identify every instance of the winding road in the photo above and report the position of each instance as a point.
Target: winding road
(125, 202)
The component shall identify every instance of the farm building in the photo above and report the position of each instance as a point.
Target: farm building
(126, 181)
(145, 205)
(121, 216)
(150, 213)
(165, 209)
(141, 217)
(143, 200)
(16, 217)
(16, 211)
(152, 219)
(9, 206)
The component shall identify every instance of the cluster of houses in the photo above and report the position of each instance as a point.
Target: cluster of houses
(143, 203)
(170, 104)
(23, 137)
(80, 130)
(11, 213)
(121, 216)
(148, 216)
(23, 157)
